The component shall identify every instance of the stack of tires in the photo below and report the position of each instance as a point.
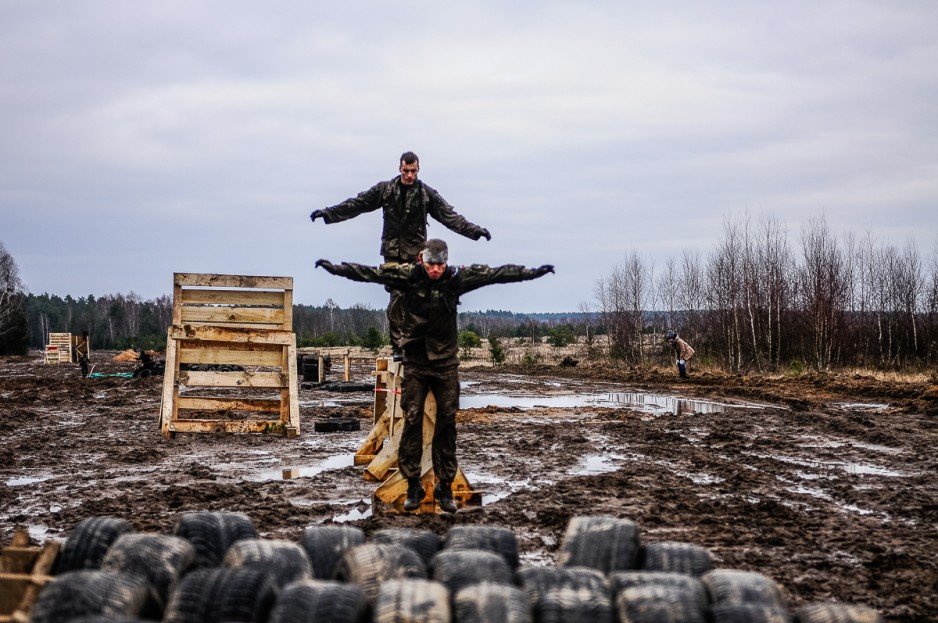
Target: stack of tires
(214, 568)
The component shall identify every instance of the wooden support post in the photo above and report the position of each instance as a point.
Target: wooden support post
(24, 570)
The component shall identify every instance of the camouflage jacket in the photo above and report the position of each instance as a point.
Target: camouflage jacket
(429, 328)
(405, 224)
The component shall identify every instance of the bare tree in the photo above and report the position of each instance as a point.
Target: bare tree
(823, 290)
(11, 293)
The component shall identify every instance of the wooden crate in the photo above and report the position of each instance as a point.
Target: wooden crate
(231, 321)
(379, 450)
(24, 570)
(59, 348)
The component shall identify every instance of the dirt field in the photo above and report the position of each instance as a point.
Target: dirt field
(825, 483)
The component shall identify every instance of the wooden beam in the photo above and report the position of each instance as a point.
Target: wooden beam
(213, 356)
(231, 334)
(256, 405)
(241, 315)
(264, 298)
(214, 280)
(194, 378)
(227, 426)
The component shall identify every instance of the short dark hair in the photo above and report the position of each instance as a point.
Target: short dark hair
(409, 157)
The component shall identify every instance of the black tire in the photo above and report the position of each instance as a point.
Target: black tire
(567, 595)
(284, 560)
(837, 613)
(93, 592)
(325, 546)
(333, 425)
(735, 587)
(748, 613)
(458, 569)
(212, 533)
(690, 585)
(658, 603)
(502, 541)
(490, 603)
(347, 386)
(157, 558)
(219, 595)
(88, 543)
(97, 618)
(603, 543)
(412, 600)
(675, 557)
(424, 542)
(309, 601)
(371, 564)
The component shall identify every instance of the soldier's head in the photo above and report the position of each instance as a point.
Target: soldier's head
(434, 257)
(410, 166)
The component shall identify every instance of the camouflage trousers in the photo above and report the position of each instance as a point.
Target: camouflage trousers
(395, 316)
(417, 383)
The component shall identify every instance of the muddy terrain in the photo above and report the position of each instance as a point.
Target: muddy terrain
(825, 483)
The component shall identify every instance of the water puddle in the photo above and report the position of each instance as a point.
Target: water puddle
(338, 461)
(356, 513)
(26, 480)
(651, 403)
(593, 464)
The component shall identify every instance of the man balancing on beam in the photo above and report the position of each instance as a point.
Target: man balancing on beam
(430, 293)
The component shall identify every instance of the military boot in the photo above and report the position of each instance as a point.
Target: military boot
(443, 492)
(415, 494)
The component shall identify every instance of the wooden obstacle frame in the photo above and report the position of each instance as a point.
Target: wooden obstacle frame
(333, 353)
(66, 348)
(239, 327)
(379, 450)
(24, 570)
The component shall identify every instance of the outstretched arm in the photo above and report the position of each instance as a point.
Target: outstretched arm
(445, 214)
(478, 275)
(395, 275)
(366, 201)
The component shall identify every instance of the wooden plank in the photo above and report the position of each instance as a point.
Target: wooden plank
(227, 426)
(225, 314)
(232, 281)
(195, 378)
(202, 403)
(288, 309)
(291, 393)
(168, 410)
(264, 298)
(229, 357)
(231, 334)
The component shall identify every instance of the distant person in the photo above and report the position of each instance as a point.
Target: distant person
(406, 202)
(430, 293)
(683, 351)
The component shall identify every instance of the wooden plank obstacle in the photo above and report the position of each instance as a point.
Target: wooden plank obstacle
(379, 450)
(237, 332)
(24, 570)
(59, 348)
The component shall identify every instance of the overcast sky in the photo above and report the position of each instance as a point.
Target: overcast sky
(142, 138)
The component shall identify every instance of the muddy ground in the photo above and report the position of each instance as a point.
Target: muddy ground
(825, 483)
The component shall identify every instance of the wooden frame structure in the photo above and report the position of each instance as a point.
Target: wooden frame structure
(59, 348)
(24, 570)
(379, 451)
(234, 321)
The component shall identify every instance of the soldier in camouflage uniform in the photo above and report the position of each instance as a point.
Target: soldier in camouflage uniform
(431, 292)
(406, 203)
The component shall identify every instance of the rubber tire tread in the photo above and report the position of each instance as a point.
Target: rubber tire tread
(88, 543)
(335, 425)
(309, 601)
(285, 560)
(748, 613)
(567, 594)
(457, 569)
(604, 543)
(371, 564)
(502, 541)
(733, 586)
(424, 542)
(95, 592)
(658, 603)
(325, 546)
(160, 559)
(212, 533)
(412, 600)
(675, 557)
(837, 613)
(222, 595)
(487, 603)
(621, 580)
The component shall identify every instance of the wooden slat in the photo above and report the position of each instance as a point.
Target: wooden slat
(195, 378)
(255, 405)
(229, 357)
(199, 296)
(232, 281)
(231, 334)
(224, 314)
(227, 426)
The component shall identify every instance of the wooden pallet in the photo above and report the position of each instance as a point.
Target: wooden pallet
(59, 348)
(379, 450)
(231, 320)
(24, 570)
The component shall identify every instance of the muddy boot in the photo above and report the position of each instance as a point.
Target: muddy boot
(414, 494)
(443, 492)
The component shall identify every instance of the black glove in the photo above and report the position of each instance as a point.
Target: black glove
(317, 214)
(485, 234)
(324, 264)
(546, 268)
